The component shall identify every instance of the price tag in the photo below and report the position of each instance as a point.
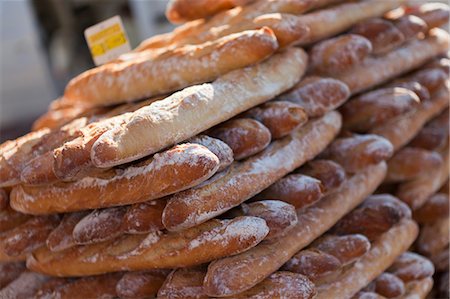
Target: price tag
(107, 40)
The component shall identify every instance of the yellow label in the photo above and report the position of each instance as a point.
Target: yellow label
(107, 40)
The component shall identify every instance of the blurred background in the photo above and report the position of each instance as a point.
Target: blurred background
(43, 47)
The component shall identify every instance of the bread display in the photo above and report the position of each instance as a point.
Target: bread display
(262, 149)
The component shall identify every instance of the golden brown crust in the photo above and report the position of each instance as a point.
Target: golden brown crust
(180, 11)
(382, 34)
(28, 236)
(434, 135)
(416, 192)
(376, 70)
(296, 189)
(10, 219)
(434, 237)
(410, 267)
(24, 286)
(101, 286)
(357, 152)
(339, 54)
(373, 217)
(61, 237)
(245, 179)
(434, 14)
(329, 173)
(136, 285)
(246, 137)
(317, 95)
(145, 217)
(209, 241)
(401, 130)
(4, 200)
(316, 265)
(382, 254)
(199, 108)
(184, 283)
(178, 168)
(280, 117)
(437, 206)
(344, 16)
(259, 262)
(280, 217)
(410, 163)
(150, 76)
(389, 285)
(376, 107)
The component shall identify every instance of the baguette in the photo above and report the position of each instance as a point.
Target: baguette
(387, 285)
(434, 14)
(410, 267)
(259, 262)
(246, 137)
(145, 77)
(176, 169)
(419, 289)
(343, 16)
(239, 19)
(329, 173)
(280, 285)
(317, 95)
(382, 254)
(441, 260)
(280, 217)
(180, 11)
(416, 192)
(355, 153)
(217, 147)
(373, 217)
(434, 136)
(102, 286)
(246, 179)
(250, 87)
(376, 70)
(99, 225)
(316, 265)
(209, 241)
(24, 286)
(28, 236)
(188, 283)
(434, 237)
(9, 219)
(436, 207)
(420, 90)
(339, 54)
(347, 249)
(411, 26)
(377, 107)
(9, 272)
(184, 283)
(432, 78)
(280, 117)
(402, 130)
(296, 189)
(367, 295)
(146, 284)
(144, 217)
(410, 163)
(61, 237)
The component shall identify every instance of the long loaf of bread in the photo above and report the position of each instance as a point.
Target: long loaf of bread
(246, 179)
(382, 254)
(197, 108)
(147, 76)
(376, 70)
(209, 241)
(176, 169)
(344, 16)
(259, 262)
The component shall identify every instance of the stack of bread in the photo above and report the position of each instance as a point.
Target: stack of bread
(263, 149)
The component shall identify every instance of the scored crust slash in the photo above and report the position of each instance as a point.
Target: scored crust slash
(107, 40)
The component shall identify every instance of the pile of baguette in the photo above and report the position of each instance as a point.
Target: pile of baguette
(262, 149)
